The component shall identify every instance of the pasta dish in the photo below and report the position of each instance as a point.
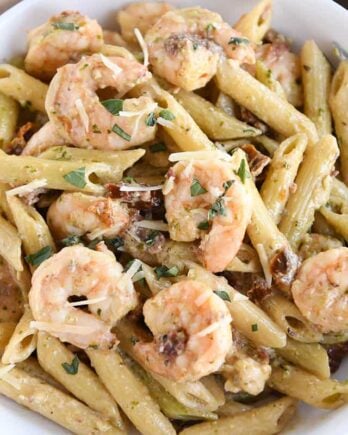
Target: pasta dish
(173, 223)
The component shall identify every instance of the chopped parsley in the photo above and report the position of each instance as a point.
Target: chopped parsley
(218, 208)
(70, 241)
(129, 179)
(114, 244)
(242, 172)
(150, 120)
(164, 271)
(66, 26)
(118, 130)
(227, 184)
(76, 178)
(238, 41)
(73, 367)
(196, 188)
(204, 225)
(167, 114)
(254, 327)
(151, 238)
(210, 27)
(195, 46)
(157, 147)
(114, 106)
(39, 256)
(223, 295)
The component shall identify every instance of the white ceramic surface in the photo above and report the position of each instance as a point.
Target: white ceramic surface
(321, 20)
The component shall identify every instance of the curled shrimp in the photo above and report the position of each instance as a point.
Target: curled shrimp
(78, 214)
(63, 39)
(46, 137)
(208, 201)
(142, 15)
(74, 108)
(79, 271)
(192, 333)
(320, 290)
(185, 46)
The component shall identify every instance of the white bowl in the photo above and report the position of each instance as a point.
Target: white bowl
(321, 20)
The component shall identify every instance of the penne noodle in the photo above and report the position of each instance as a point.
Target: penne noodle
(6, 331)
(265, 76)
(255, 24)
(215, 123)
(313, 185)
(20, 86)
(281, 175)
(339, 105)
(10, 244)
(265, 104)
(316, 79)
(9, 111)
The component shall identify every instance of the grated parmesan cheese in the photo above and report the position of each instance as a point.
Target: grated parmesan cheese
(200, 155)
(27, 188)
(139, 188)
(264, 263)
(168, 185)
(138, 276)
(111, 65)
(165, 122)
(143, 45)
(61, 327)
(88, 301)
(82, 113)
(152, 225)
(214, 326)
(132, 270)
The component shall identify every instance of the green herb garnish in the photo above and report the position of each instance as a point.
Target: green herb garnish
(70, 241)
(76, 178)
(151, 238)
(164, 271)
(218, 208)
(204, 225)
(118, 130)
(150, 120)
(223, 295)
(39, 256)
(73, 367)
(113, 105)
(157, 147)
(196, 188)
(254, 327)
(167, 114)
(66, 26)
(227, 184)
(114, 244)
(238, 41)
(242, 172)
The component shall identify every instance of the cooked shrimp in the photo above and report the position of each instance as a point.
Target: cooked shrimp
(185, 46)
(208, 201)
(63, 39)
(141, 16)
(78, 214)
(320, 290)
(10, 295)
(79, 271)
(46, 137)
(192, 333)
(74, 107)
(285, 67)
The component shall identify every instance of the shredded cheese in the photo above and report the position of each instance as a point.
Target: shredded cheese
(132, 270)
(88, 301)
(139, 188)
(138, 276)
(168, 185)
(97, 233)
(116, 70)
(203, 298)
(82, 113)
(61, 328)
(165, 122)
(27, 188)
(200, 155)
(214, 326)
(143, 45)
(264, 263)
(152, 225)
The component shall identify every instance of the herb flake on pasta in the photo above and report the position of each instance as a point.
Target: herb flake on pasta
(76, 178)
(73, 367)
(39, 256)
(118, 130)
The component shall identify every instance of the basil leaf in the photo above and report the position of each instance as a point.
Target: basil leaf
(227, 184)
(196, 188)
(243, 171)
(204, 225)
(239, 41)
(113, 105)
(164, 271)
(166, 114)
(70, 241)
(73, 367)
(157, 147)
(218, 208)
(223, 295)
(39, 256)
(66, 26)
(76, 178)
(150, 120)
(150, 240)
(118, 130)
(254, 327)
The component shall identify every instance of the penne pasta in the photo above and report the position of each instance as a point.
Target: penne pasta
(10, 244)
(215, 123)
(6, 330)
(316, 79)
(255, 23)
(313, 184)
(281, 175)
(339, 103)
(264, 103)
(84, 385)
(8, 119)
(20, 86)
(265, 76)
